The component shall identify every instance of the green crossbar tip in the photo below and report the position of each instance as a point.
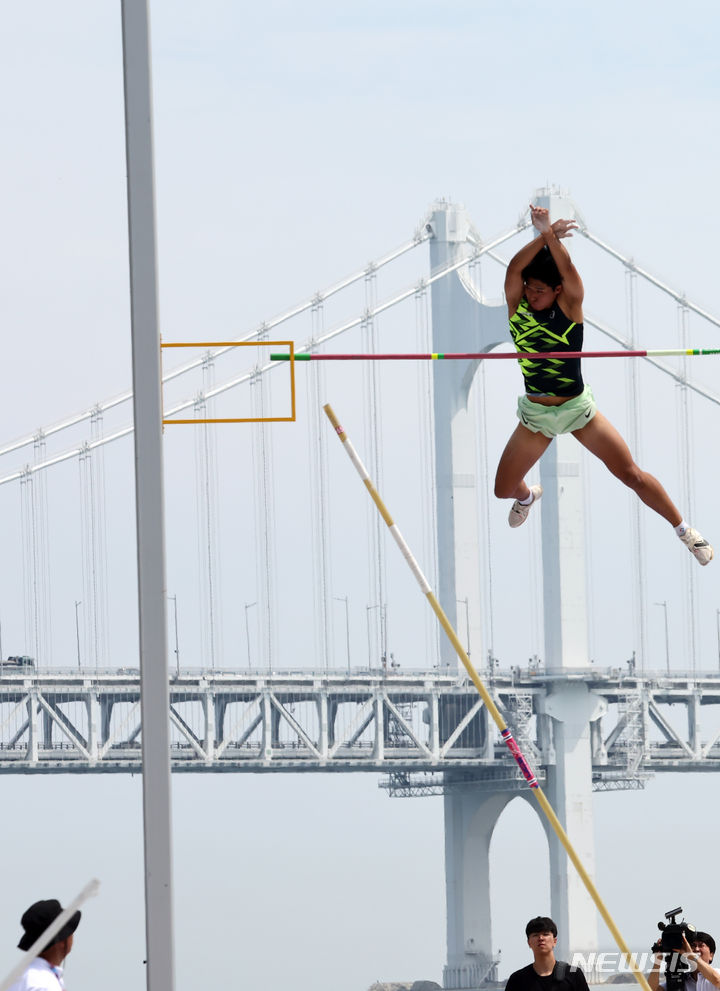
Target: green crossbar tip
(286, 357)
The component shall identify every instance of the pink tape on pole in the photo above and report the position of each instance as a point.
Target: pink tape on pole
(519, 758)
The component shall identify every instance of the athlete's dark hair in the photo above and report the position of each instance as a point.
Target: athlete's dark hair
(543, 268)
(540, 924)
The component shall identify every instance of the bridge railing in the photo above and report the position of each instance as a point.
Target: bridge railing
(410, 723)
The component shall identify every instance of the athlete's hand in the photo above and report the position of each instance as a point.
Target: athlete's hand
(564, 228)
(540, 218)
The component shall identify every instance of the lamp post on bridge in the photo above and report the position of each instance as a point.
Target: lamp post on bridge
(383, 633)
(344, 598)
(465, 602)
(248, 605)
(667, 639)
(173, 599)
(77, 630)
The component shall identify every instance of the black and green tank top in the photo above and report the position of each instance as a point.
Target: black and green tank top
(548, 330)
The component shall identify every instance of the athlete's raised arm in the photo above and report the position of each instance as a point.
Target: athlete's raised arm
(514, 284)
(573, 290)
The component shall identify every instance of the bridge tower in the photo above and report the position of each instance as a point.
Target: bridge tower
(462, 322)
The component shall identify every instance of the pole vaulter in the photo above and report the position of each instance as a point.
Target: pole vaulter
(487, 699)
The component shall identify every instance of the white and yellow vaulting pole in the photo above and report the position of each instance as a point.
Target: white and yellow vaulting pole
(487, 699)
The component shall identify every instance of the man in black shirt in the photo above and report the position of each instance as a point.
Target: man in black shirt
(545, 973)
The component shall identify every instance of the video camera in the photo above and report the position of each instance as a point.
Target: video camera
(673, 932)
(671, 944)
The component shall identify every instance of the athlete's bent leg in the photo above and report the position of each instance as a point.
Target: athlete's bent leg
(522, 451)
(602, 439)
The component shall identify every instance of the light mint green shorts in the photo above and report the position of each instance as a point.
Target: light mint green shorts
(575, 414)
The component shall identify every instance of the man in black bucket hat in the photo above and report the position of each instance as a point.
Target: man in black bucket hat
(45, 972)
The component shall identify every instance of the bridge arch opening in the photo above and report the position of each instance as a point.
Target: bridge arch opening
(519, 880)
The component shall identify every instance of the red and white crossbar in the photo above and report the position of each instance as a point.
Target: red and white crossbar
(500, 355)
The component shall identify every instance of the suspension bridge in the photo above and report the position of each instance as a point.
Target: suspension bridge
(299, 643)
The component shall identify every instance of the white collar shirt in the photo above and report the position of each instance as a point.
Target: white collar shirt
(702, 983)
(40, 976)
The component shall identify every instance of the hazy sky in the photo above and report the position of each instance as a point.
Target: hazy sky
(294, 143)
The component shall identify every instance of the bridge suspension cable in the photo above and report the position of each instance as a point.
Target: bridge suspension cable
(685, 459)
(265, 557)
(248, 376)
(427, 493)
(632, 416)
(630, 264)
(93, 520)
(206, 498)
(372, 423)
(308, 304)
(36, 565)
(320, 515)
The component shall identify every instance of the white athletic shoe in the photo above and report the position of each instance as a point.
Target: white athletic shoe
(697, 545)
(519, 513)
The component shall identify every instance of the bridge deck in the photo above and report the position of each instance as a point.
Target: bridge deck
(423, 727)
